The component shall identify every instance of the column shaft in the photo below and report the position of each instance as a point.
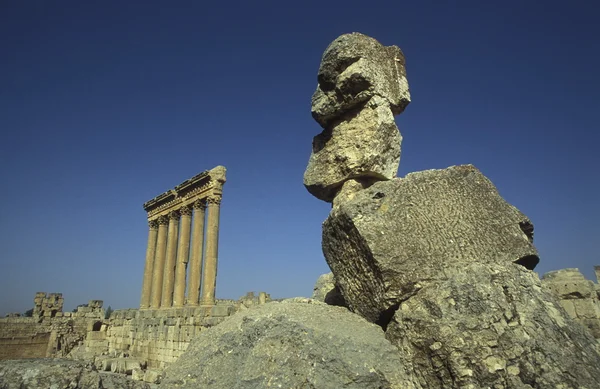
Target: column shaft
(183, 251)
(209, 280)
(169, 274)
(150, 253)
(159, 262)
(196, 257)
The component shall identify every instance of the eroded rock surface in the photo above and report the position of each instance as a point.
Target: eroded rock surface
(395, 237)
(291, 345)
(362, 85)
(493, 326)
(355, 68)
(59, 374)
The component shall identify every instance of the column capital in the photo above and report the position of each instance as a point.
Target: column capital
(153, 224)
(174, 215)
(163, 220)
(213, 199)
(200, 204)
(186, 210)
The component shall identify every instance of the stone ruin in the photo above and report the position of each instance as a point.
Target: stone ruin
(431, 285)
(49, 332)
(47, 305)
(169, 243)
(438, 258)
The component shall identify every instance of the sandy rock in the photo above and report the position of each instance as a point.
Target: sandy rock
(493, 326)
(363, 144)
(354, 68)
(293, 345)
(396, 236)
(60, 373)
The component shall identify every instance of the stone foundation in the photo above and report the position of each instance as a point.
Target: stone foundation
(156, 336)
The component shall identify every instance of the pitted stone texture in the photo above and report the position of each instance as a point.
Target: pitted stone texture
(60, 373)
(493, 326)
(354, 68)
(364, 144)
(396, 236)
(569, 284)
(292, 345)
(577, 296)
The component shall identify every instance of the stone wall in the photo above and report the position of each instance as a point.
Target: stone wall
(24, 347)
(578, 296)
(156, 336)
(50, 332)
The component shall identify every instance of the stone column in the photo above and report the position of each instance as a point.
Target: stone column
(150, 252)
(211, 254)
(159, 262)
(196, 258)
(169, 275)
(183, 251)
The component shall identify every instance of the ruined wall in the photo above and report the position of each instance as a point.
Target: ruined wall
(24, 347)
(157, 336)
(50, 332)
(578, 296)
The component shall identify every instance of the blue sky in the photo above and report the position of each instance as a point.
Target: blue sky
(104, 105)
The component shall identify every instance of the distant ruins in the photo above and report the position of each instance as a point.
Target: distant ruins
(49, 332)
(169, 217)
(183, 229)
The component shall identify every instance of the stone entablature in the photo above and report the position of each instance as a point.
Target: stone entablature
(203, 185)
(183, 229)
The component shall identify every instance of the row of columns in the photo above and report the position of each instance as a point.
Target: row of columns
(168, 253)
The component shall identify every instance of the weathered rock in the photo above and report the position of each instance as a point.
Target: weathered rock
(293, 345)
(354, 68)
(577, 296)
(569, 284)
(396, 236)
(60, 373)
(153, 376)
(365, 144)
(493, 326)
(326, 290)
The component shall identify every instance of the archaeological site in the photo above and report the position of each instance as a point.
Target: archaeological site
(432, 282)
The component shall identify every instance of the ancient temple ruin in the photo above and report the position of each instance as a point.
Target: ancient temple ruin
(177, 235)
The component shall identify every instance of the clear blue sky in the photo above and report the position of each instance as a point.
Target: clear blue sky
(104, 105)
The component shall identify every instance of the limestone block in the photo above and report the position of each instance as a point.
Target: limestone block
(492, 325)
(219, 311)
(354, 68)
(586, 309)
(153, 376)
(365, 144)
(137, 374)
(396, 236)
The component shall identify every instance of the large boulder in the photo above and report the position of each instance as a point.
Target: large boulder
(396, 236)
(365, 145)
(290, 345)
(493, 326)
(354, 68)
(361, 86)
(60, 373)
